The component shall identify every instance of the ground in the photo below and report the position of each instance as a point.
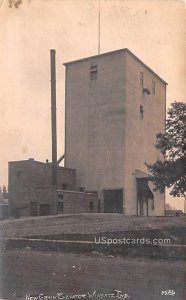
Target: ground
(85, 224)
(27, 272)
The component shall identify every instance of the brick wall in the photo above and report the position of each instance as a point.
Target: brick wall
(20, 202)
(30, 182)
(77, 202)
(30, 173)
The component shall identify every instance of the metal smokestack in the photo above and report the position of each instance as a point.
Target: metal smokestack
(53, 115)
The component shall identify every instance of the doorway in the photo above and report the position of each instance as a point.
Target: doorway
(113, 201)
(44, 209)
(33, 208)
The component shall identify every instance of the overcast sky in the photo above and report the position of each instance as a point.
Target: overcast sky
(154, 30)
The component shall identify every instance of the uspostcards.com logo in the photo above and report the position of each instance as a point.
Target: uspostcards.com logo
(131, 241)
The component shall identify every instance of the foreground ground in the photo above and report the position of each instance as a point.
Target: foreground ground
(27, 272)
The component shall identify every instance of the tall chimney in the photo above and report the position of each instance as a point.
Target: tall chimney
(53, 115)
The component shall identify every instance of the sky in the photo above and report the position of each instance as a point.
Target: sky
(154, 30)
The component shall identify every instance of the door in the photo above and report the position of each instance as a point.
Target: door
(113, 201)
(33, 209)
(141, 205)
(44, 209)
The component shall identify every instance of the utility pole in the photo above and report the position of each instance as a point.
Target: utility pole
(53, 116)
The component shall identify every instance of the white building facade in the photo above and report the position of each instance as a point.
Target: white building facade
(114, 107)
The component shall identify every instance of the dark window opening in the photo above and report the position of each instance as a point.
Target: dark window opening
(81, 188)
(19, 174)
(33, 209)
(153, 87)
(60, 197)
(113, 201)
(141, 111)
(16, 214)
(64, 186)
(91, 206)
(93, 72)
(44, 209)
(141, 78)
(60, 207)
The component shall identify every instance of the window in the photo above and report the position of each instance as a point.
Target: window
(153, 87)
(60, 197)
(141, 78)
(91, 206)
(44, 209)
(93, 72)
(141, 111)
(64, 186)
(19, 174)
(60, 207)
(33, 209)
(81, 189)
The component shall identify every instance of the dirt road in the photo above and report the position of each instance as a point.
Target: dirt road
(25, 273)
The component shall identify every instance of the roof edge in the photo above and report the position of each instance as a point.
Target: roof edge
(113, 52)
(38, 162)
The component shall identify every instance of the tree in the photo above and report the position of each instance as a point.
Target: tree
(13, 3)
(170, 171)
(5, 192)
(16, 3)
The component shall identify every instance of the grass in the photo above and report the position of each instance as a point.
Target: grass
(87, 225)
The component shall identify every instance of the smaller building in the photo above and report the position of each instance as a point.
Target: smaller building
(3, 208)
(31, 192)
(75, 202)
